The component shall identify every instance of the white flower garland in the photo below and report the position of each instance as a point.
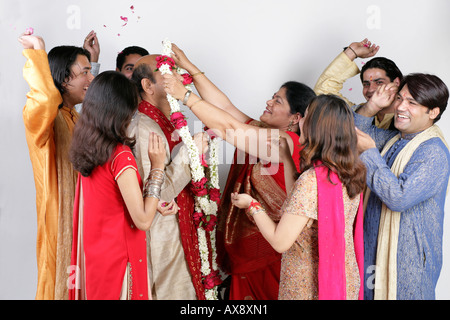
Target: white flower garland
(202, 203)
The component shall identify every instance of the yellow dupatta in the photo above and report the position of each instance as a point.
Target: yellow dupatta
(388, 233)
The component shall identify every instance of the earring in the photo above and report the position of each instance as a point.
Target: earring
(290, 126)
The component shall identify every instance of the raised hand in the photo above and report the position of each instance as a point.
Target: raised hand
(383, 96)
(29, 41)
(363, 49)
(180, 58)
(91, 44)
(173, 86)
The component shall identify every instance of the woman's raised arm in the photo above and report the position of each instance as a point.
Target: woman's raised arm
(205, 87)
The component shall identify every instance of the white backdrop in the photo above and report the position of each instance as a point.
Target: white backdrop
(247, 47)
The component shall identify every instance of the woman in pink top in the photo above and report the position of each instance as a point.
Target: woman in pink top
(110, 213)
(320, 230)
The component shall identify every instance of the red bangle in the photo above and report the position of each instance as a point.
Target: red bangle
(254, 204)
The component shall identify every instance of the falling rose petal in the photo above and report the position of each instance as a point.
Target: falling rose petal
(29, 31)
(132, 7)
(363, 63)
(350, 89)
(124, 18)
(104, 26)
(118, 34)
(124, 24)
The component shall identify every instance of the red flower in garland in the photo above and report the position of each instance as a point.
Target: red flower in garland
(199, 187)
(209, 222)
(187, 78)
(197, 217)
(208, 282)
(211, 280)
(214, 194)
(160, 60)
(178, 120)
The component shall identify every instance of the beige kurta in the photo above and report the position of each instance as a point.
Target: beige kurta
(332, 79)
(169, 273)
(48, 131)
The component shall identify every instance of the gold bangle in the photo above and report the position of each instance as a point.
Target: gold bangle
(196, 74)
(190, 107)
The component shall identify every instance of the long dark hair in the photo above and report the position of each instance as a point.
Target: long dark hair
(330, 136)
(108, 107)
(61, 59)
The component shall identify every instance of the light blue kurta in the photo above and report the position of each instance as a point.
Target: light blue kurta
(419, 194)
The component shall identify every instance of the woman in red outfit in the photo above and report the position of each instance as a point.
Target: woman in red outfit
(242, 251)
(110, 213)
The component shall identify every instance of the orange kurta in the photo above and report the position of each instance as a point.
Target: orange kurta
(48, 131)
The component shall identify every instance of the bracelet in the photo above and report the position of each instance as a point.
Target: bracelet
(153, 183)
(196, 74)
(356, 56)
(190, 107)
(254, 208)
(186, 96)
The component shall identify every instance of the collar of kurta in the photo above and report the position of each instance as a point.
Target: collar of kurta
(72, 113)
(166, 126)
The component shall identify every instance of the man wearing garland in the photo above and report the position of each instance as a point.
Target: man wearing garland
(171, 261)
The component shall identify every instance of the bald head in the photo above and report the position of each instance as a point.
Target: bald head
(149, 82)
(149, 60)
(144, 69)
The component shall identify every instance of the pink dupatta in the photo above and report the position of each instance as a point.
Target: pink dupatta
(331, 229)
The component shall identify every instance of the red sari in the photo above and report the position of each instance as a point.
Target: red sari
(105, 240)
(242, 251)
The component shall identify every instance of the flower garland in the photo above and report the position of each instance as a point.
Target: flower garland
(206, 191)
